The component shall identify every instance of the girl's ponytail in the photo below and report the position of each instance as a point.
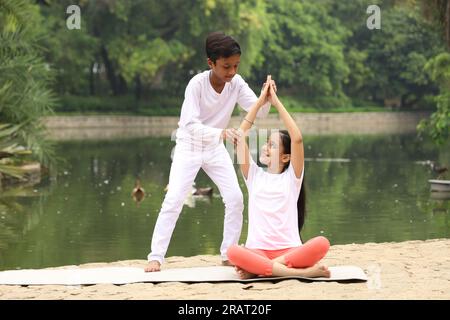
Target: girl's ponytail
(301, 202)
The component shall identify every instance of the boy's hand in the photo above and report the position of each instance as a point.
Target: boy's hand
(232, 135)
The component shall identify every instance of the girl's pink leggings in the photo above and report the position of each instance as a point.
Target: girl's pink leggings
(260, 262)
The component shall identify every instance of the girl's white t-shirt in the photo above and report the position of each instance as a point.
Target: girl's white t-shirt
(272, 208)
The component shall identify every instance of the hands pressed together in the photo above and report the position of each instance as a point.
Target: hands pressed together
(268, 94)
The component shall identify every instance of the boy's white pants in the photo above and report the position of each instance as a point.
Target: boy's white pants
(187, 161)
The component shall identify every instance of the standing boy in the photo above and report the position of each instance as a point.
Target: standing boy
(210, 98)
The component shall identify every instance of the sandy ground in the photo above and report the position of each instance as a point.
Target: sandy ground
(404, 270)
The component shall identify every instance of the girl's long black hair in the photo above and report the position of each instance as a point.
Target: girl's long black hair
(301, 202)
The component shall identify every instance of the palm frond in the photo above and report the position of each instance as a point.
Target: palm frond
(12, 171)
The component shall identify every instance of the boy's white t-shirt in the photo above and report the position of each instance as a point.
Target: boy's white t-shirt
(272, 208)
(205, 113)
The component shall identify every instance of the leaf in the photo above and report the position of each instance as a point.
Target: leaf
(13, 171)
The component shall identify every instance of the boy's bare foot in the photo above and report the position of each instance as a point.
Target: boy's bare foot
(153, 266)
(227, 263)
(317, 271)
(244, 274)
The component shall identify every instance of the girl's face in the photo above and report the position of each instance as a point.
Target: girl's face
(225, 68)
(272, 153)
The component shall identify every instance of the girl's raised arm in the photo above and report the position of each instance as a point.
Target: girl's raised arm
(297, 152)
(243, 154)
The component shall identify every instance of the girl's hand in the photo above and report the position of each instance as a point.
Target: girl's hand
(264, 96)
(273, 98)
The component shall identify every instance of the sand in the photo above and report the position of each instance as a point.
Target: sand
(402, 270)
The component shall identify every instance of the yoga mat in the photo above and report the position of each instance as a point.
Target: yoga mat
(124, 275)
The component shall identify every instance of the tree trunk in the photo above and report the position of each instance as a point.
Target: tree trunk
(447, 24)
(157, 82)
(137, 92)
(92, 80)
(110, 71)
(122, 85)
(138, 87)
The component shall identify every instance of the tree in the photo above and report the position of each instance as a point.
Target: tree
(398, 53)
(438, 11)
(305, 49)
(387, 64)
(145, 46)
(72, 54)
(439, 123)
(438, 67)
(24, 76)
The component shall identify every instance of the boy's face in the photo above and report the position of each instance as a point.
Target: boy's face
(225, 68)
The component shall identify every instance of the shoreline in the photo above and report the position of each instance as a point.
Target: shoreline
(396, 270)
(99, 127)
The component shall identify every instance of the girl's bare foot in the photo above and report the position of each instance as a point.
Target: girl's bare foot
(244, 274)
(227, 263)
(317, 271)
(153, 266)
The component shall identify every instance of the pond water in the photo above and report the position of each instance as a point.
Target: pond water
(360, 189)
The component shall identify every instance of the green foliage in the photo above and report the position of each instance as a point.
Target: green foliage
(141, 46)
(320, 52)
(360, 71)
(326, 104)
(398, 54)
(68, 52)
(11, 153)
(161, 104)
(24, 76)
(145, 57)
(438, 125)
(305, 49)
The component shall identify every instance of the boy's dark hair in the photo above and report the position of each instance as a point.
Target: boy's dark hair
(219, 45)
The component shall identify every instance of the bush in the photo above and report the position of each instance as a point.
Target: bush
(164, 105)
(119, 105)
(327, 104)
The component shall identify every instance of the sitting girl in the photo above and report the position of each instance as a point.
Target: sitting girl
(276, 206)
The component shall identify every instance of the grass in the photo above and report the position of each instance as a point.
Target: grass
(170, 106)
(334, 110)
(122, 105)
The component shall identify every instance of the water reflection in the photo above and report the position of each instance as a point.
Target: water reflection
(359, 189)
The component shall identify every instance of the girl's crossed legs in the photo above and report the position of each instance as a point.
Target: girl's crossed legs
(298, 261)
